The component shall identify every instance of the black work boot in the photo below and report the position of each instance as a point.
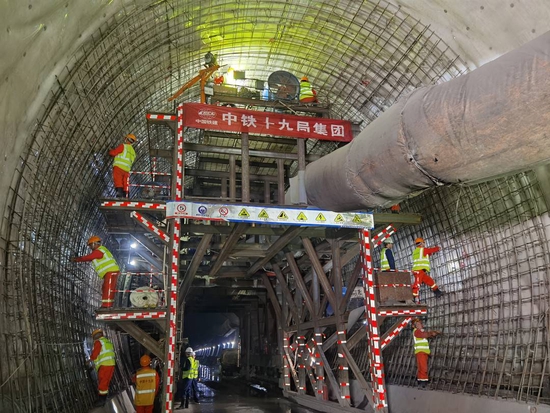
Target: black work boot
(119, 192)
(100, 401)
(186, 402)
(438, 293)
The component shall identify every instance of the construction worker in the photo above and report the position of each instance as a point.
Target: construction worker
(124, 155)
(421, 268)
(387, 262)
(147, 386)
(106, 267)
(103, 357)
(307, 93)
(422, 350)
(190, 374)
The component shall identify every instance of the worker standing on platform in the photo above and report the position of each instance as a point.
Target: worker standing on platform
(147, 386)
(106, 267)
(422, 350)
(103, 357)
(387, 262)
(421, 268)
(190, 374)
(124, 155)
(307, 93)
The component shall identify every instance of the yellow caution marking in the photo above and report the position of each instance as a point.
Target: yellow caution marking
(244, 213)
(282, 215)
(357, 219)
(263, 214)
(320, 217)
(339, 218)
(301, 217)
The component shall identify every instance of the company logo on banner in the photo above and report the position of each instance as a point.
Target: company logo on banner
(228, 119)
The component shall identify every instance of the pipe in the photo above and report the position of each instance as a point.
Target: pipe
(490, 122)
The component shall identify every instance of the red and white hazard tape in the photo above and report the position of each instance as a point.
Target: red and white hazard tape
(131, 204)
(150, 226)
(150, 173)
(160, 116)
(394, 332)
(408, 311)
(383, 235)
(136, 315)
(393, 285)
(179, 157)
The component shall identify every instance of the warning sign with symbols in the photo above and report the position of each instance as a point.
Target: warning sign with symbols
(268, 215)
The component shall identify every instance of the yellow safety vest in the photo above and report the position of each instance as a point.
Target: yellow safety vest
(125, 159)
(105, 264)
(106, 356)
(420, 261)
(146, 384)
(306, 91)
(384, 264)
(421, 345)
(193, 372)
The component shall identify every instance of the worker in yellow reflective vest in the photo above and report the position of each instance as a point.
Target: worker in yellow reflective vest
(104, 359)
(124, 155)
(190, 375)
(422, 351)
(307, 93)
(106, 268)
(387, 262)
(147, 386)
(421, 268)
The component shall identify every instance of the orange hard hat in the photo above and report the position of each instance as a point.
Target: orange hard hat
(97, 331)
(304, 79)
(145, 360)
(415, 320)
(131, 137)
(93, 239)
(419, 240)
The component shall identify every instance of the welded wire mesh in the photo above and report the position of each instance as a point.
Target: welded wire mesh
(360, 56)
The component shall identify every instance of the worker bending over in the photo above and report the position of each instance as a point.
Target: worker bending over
(124, 155)
(103, 357)
(387, 261)
(106, 267)
(422, 350)
(421, 268)
(190, 375)
(147, 386)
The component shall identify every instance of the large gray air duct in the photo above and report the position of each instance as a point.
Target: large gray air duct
(492, 121)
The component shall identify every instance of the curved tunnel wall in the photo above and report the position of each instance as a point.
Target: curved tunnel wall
(126, 68)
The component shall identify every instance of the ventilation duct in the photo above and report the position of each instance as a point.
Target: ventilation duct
(492, 121)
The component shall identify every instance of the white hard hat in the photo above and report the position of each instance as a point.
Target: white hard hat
(388, 241)
(189, 350)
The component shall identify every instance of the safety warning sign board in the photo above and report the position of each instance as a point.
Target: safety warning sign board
(268, 215)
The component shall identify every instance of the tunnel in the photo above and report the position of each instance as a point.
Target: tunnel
(261, 251)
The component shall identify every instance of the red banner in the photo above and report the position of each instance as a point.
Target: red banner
(228, 119)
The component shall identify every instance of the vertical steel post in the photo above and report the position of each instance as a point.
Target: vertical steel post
(302, 171)
(280, 181)
(375, 351)
(245, 168)
(267, 193)
(232, 179)
(224, 189)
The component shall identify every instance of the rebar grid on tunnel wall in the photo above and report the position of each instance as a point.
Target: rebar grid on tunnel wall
(360, 56)
(494, 266)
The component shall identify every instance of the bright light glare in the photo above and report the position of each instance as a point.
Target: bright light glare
(133, 262)
(133, 245)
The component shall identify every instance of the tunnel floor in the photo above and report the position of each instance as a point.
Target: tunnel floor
(226, 400)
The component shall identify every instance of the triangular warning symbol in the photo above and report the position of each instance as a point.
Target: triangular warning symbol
(263, 214)
(320, 217)
(282, 215)
(301, 217)
(357, 219)
(244, 213)
(339, 218)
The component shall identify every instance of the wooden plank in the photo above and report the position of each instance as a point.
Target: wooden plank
(282, 241)
(230, 243)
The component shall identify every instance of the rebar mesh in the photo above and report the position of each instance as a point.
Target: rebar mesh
(361, 56)
(494, 266)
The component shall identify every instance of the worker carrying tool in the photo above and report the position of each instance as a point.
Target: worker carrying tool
(190, 375)
(124, 155)
(421, 268)
(147, 386)
(307, 93)
(422, 350)
(104, 359)
(106, 267)
(387, 262)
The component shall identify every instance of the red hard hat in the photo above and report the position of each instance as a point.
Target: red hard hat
(419, 240)
(145, 360)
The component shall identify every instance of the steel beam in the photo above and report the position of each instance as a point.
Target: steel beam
(143, 338)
